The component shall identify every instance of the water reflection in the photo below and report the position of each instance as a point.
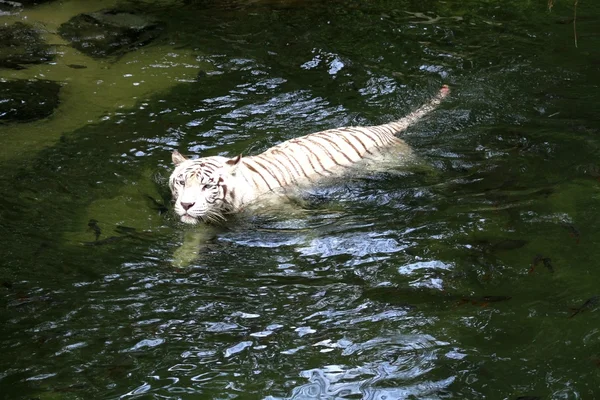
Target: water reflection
(411, 357)
(413, 283)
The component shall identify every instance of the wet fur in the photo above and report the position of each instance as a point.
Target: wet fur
(209, 188)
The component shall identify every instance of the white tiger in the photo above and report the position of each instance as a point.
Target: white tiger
(208, 188)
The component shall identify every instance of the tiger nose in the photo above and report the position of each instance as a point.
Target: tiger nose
(187, 206)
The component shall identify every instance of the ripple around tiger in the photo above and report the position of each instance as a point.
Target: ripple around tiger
(208, 188)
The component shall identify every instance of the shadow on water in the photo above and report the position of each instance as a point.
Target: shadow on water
(468, 274)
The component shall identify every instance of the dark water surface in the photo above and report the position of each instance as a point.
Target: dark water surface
(469, 276)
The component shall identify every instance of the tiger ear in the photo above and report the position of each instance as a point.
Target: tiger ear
(177, 157)
(234, 163)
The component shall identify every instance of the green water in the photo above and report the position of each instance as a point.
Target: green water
(456, 278)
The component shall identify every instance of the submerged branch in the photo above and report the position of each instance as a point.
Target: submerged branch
(575, 22)
(551, 4)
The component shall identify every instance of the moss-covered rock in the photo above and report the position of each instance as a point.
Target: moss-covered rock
(109, 32)
(34, 2)
(20, 44)
(27, 100)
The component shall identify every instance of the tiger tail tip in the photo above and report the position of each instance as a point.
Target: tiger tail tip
(445, 90)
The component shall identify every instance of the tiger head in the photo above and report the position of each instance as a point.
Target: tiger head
(199, 187)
